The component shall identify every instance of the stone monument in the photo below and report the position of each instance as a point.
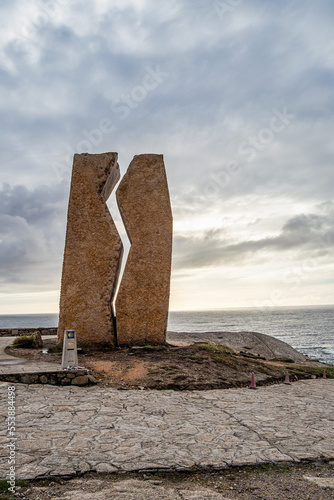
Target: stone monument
(93, 252)
(143, 297)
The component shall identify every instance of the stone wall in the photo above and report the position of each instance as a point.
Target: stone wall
(66, 377)
(19, 332)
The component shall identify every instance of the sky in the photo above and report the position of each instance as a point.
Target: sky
(238, 97)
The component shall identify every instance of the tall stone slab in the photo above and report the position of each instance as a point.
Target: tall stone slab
(143, 297)
(93, 252)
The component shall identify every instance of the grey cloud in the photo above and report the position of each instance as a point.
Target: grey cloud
(32, 228)
(302, 234)
(225, 77)
(35, 206)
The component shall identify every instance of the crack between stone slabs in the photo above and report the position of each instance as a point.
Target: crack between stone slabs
(261, 437)
(257, 335)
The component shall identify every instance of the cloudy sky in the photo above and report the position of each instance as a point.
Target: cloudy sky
(237, 95)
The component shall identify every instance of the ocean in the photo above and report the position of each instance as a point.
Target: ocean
(310, 330)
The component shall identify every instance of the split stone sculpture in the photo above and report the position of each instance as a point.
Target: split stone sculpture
(93, 252)
(143, 297)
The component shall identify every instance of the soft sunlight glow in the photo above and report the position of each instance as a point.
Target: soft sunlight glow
(238, 99)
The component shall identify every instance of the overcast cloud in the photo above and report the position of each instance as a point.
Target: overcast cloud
(237, 95)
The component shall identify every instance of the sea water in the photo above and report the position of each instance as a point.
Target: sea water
(310, 330)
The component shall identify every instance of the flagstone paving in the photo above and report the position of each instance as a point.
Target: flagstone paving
(65, 430)
(10, 364)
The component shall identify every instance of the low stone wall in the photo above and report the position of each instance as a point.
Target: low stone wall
(19, 332)
(66, 377)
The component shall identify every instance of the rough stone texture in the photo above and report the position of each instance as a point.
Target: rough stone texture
(68, 430)
(323, 482)
(143, 297)
(80, 378)
(9, 332)
(93, 252)
(250, 342)
(37, 341)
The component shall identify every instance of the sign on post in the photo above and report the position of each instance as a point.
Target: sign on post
(70, 352)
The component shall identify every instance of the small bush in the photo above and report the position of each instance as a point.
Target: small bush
(24, 342)
(56, 349)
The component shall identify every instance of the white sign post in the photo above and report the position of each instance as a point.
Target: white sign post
(70, 352)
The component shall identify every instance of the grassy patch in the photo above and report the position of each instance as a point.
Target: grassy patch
(222, 349)
(312, 370)
(7, 495)
(283, 360)
(154, 348)
(195, 358)
(218, 358)
(56, 349)
(219, 353)
(252, 356)
(24, 342)
(262, 369)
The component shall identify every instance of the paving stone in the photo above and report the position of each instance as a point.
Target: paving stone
(322, 482)
(62, 430)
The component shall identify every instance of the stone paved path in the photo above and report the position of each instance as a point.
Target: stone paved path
(63, 430)
(10, 364)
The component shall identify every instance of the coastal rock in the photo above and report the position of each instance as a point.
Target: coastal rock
(143, 297)
(37, 341)
(258, 344)
(93, 252)
(81, 380)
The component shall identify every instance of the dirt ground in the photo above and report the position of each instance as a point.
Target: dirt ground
(265, 482)
(200, 366)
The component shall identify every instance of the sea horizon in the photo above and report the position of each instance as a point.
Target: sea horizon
(309, 329)
(260, 308)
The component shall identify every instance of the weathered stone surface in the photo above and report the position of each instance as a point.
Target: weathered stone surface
(323, 482)
(93, 252)
(81, 380)
(37, 341)
(9, 332)
(255, 343)
(143, 297)
(83, 428)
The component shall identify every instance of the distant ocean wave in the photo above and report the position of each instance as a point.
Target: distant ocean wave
(329, 351)
(28, 320)
(310, 330)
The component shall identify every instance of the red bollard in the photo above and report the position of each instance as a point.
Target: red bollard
(253, 384)
(287, 379)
